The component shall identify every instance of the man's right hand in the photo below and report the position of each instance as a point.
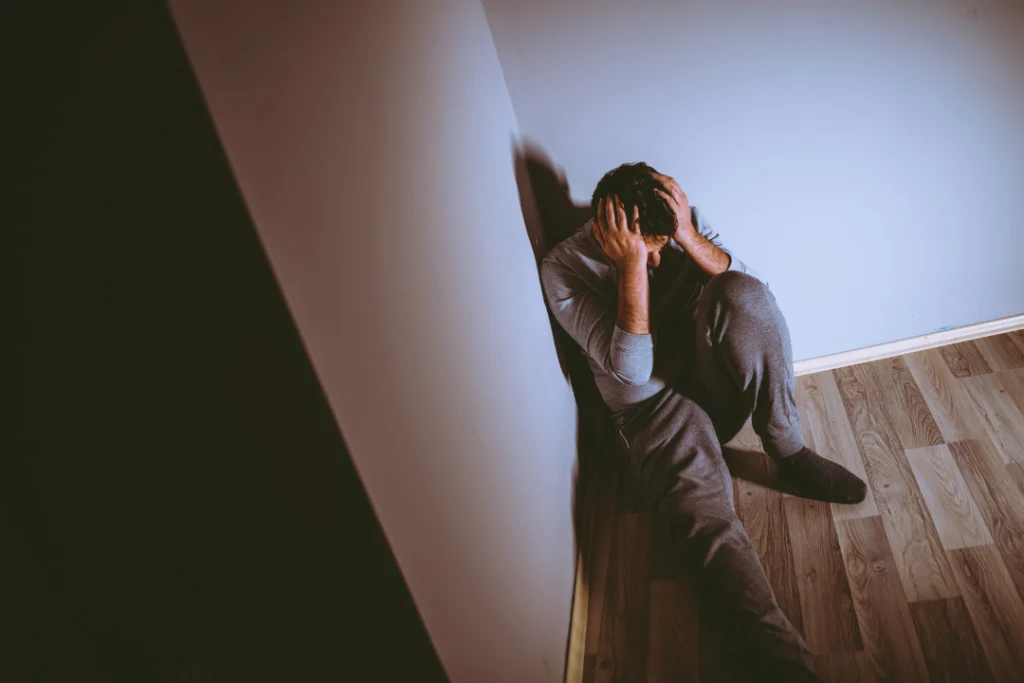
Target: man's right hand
(618, 236)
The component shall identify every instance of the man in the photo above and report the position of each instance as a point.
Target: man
(686, 344)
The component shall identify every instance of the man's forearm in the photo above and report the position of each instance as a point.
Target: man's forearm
(634, 296)
(709, 257)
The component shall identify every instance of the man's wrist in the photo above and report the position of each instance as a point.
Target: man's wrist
(633, 265)
(686, 235)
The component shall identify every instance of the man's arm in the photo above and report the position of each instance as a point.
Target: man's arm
(618, 340)
(590, 319)
(634, 299)
(622, 242)
(711, 258)
(708, 233)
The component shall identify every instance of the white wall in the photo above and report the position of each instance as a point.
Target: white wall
(866, 156)
(373, 149)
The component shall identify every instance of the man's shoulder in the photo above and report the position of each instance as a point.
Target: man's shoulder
(574, 263)
(579, 250)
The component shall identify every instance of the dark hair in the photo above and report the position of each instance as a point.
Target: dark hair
(634, 184)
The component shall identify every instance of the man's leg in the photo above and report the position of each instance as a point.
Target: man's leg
(745, 367)
(674, 451)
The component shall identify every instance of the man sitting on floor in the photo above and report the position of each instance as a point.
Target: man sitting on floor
(686, 344)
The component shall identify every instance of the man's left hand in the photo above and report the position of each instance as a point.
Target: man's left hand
(680, 206)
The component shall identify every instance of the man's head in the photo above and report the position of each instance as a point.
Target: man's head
(634, 184)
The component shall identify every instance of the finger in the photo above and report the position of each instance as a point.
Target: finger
(665, 180)
(635, 225)
(609, 212)
(668, 182)
(601, 226)
(620, 215)
(672, 202)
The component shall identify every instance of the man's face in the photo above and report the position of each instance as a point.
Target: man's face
(655, 243)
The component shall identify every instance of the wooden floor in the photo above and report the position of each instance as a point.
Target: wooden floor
(923, 581)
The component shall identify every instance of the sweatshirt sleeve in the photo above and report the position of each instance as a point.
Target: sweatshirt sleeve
(589, 318)
(706, 231)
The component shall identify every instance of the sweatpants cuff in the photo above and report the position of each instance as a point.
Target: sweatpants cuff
(785, 447)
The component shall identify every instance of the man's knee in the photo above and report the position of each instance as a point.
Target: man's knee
(737, 290)
(738, 304)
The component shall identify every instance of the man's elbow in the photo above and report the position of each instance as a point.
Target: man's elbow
(635, 376)
(631, 357)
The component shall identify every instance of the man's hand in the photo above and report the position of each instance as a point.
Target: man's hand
(709, 257)
(623, 243)
(680, 207)
(620, 238)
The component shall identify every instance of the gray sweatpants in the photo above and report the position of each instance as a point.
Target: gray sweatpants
(741, 366)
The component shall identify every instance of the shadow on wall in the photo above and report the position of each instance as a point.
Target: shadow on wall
(551, 216)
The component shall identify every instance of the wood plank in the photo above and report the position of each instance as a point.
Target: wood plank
(891, 643)
(633, 597)
(1000, 417)
(589, 668)
(952, 508)
(1001, 351)
(747, 439)
(964, 359)
(1013, 382)
(605, 661)
(951, 648)
(1017, 337)
(824, 416)
(761, 511)
(887, 628)
(995, 608)
(719, 659)
(601, 545)
(952, 409)
(837, 668)
(674, 633)
(829, 621)
(802, 399)
(907, 409)
(1016, 471)
(578, 622)
(846, 667)
(920, 560)
(1000, 503)
(596, 481)
(598, 491)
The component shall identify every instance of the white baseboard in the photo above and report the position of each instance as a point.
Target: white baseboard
(898, 348)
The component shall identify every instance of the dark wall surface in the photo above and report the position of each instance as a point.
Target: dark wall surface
(178, 504)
